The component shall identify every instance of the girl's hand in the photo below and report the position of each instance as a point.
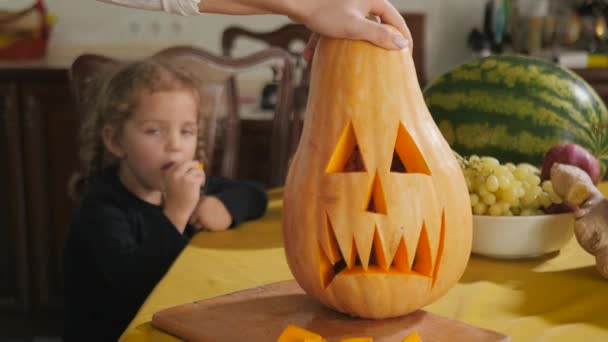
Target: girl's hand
(183, 184)
(210, 214)
(348, 19)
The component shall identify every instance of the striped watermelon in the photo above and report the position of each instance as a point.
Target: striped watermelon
(515, 108)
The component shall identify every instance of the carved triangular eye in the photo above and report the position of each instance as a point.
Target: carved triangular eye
(397, 164)
(346, 156)
(406, 156)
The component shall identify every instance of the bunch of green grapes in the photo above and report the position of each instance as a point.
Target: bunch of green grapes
(506, 190)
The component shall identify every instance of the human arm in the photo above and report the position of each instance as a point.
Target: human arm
(180, 7)
(211, 214)
(337, 18)
(227, 203)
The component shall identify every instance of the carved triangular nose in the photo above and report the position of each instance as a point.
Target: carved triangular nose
(376, 202)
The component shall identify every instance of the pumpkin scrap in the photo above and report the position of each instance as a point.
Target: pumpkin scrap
(293, 333)
(413, 337)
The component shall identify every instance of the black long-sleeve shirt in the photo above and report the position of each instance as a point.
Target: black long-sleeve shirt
(119, 246)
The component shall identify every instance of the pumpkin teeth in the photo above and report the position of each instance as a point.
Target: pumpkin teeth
(423, 264)
(377, 254)
(334, 264)
(334, 249)
(326, 269)
(441, 247)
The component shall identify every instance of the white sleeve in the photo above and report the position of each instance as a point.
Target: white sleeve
(181, 7)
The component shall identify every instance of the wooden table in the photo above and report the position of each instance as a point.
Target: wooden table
(558, 297)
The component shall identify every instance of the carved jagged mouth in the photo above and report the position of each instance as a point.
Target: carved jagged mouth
(334, 263)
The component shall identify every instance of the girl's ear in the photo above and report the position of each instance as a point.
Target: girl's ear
(111, 140)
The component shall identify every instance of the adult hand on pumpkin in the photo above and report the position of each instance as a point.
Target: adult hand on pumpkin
(348, 19)
(335, 18)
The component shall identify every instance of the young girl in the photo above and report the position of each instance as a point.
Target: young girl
(140, 196)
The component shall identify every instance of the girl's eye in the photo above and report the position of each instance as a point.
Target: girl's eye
(152, 131)
(188, 132)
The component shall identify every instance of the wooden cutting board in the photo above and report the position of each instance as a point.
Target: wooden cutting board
(260, 315)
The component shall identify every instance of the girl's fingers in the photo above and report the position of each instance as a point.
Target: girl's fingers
(195, 176)
(186, 167)
(197, 225)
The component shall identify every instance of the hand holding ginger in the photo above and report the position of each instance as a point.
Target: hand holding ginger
(591, 228)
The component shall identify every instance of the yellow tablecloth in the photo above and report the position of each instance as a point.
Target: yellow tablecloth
(559, 297)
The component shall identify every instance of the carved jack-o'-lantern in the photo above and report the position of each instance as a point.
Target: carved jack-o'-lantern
(377, 220)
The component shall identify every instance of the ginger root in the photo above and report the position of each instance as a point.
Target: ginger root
(591, 228)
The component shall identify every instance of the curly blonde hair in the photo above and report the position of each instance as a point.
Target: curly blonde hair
(115, 101)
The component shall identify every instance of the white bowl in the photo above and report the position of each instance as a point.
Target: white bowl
(515, 237)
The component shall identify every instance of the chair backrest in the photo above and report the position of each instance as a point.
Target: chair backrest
(215, 71)
(284, 37)
(416, 22)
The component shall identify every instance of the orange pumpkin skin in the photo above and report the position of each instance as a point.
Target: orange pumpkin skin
(412, 243)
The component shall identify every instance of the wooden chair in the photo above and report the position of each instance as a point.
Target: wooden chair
(285, 38)
(223, 137)
(417, 23)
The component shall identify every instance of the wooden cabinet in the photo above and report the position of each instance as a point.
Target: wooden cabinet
(14, 275)
(38, 139)
(50, 148)
(254, 150)
(597, 78)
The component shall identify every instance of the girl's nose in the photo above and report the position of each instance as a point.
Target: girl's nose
(174, 141)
